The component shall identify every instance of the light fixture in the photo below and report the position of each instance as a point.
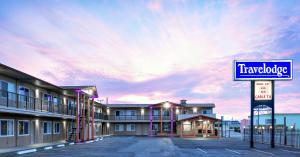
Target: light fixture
(167, 105)
(107, 111)
(177, 111)
(142, 111)
(292, 126)
(195, 110)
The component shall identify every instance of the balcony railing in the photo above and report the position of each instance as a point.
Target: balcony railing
(136, 117)
(19, 101)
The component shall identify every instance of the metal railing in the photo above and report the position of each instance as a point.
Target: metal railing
(137, 117)
(14, 100)
(290, 138)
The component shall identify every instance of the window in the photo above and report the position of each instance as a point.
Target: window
(57, 128)
(130, 127)
(24, 93)
(7, 128)
(23, 127)
(155, 112)
(55, 101)
(166, 112)
(130, 112)
(47, 128)
(119, 127)
(3, 88)
(187, 126)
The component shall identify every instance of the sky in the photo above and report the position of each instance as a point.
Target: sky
(153, 51)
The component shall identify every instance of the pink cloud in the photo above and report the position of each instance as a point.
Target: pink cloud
(154, 6)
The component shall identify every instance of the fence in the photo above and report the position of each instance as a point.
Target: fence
(262, 135)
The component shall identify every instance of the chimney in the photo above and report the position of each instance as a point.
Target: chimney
(183, 102)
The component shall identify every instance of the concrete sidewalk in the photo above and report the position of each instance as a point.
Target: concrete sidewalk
(5, 152)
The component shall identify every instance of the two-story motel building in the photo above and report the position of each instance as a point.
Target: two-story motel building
(163, 119)
(35, 111)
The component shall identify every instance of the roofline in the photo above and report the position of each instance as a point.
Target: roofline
(198, 116)
(23, 73)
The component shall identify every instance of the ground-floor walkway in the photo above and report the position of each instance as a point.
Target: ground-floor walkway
(166, 147)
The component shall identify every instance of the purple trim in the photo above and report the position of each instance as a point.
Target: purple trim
(172, 120)
(150, 126)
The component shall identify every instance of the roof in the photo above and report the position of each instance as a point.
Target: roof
(127, 105)
(26, 78)
(147, 105)
(90, 89)
(197, 116)
(19, 75)
(199, 105)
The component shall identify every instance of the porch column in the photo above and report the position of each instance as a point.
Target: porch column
(206, 126)
(213, 128)
(172, 120)
(181, 129)
(195, 128)
(161, 110)
(218, 129)
(93, 119)
(88, 118)
(77, 116)
(150, 118)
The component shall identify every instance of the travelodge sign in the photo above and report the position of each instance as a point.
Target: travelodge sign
(263, 70)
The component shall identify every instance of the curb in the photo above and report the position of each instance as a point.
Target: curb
(50, 147)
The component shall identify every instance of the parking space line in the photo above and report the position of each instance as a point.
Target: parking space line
(263, 152)
(290, 151)
(203, 151)
(233, 151)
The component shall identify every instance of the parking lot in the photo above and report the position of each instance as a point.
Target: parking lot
(165, 147)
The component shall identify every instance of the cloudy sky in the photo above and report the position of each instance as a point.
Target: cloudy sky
(152, 51)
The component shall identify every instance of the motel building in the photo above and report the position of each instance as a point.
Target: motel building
(33, 111)
(163, 119)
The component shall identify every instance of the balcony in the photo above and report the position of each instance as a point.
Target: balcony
(137, 118)
(23, 102)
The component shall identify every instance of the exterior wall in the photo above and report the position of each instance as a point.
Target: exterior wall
(36, 132)
(141, 129)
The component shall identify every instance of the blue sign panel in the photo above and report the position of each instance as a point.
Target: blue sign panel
(263, 70)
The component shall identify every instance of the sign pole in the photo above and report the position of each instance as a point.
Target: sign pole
(273, 118)
(251, 116)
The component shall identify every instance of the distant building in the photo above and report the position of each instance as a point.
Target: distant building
(292, 120)
(231, 125)
(244, 124)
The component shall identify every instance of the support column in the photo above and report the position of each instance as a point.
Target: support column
(172, 120)
(194, 127)
(93, 119)
(181, 129)
(206, 126)
(77, 116)
(83, 119)
(213, 129)
(218, 130)
(88, 118)
(161, 110)
(150, 118)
